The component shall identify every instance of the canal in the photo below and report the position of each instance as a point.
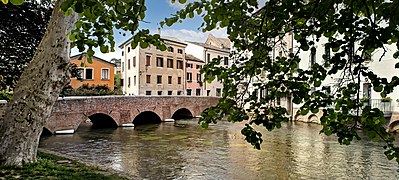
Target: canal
(182, 150)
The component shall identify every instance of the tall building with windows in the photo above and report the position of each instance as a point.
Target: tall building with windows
(194, 78)
(150, 71)
(211, 49)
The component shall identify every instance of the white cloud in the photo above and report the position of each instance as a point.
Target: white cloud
(182, 34)
(178, 5)
(190, 35)
(108, 56)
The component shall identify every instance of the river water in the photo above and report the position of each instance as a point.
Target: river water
(182, 150)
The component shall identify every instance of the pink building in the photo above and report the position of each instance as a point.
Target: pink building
(194, 78)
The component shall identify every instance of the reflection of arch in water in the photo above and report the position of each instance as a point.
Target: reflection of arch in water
(146, 117)
(182, 113)
(313, 119)
(101, 120)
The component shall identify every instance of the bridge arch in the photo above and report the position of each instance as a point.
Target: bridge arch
(182, 113)
(102, 120)
(394, 126)
(298, 117)
(147, 117)
(313, 119)
(46, 132)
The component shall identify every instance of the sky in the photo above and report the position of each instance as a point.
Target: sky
(157, 11)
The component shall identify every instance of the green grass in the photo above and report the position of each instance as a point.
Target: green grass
(47, 168)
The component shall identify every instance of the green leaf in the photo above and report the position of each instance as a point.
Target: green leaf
(182, 1)
(90, 52)
(104, 49)
(4, 1)
(17, 2)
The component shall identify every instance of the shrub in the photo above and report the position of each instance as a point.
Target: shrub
(86, 90)
(6, 95)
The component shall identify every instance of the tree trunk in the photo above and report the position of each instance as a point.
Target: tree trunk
(36, 92)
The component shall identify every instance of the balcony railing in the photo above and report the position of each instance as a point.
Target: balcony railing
(384, 106)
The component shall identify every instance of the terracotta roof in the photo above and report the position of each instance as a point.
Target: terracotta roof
(94, 57)
(207, 46)
(193, 58)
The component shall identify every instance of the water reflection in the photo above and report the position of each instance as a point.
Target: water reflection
(182, 150)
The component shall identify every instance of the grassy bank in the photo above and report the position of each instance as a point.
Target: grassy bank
(50, 166)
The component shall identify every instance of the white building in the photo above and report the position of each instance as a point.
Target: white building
(212, 48)
(150, 71)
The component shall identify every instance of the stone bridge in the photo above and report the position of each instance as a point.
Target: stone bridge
(112, 111)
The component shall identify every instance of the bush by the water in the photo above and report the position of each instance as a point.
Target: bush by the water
(86, 90)
(6, 95)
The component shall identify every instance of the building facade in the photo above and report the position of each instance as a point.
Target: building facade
(99, 72)
(150, 71)
(194, 78)
(211, 49)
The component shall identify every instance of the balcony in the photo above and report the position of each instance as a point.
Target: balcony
(384, 105)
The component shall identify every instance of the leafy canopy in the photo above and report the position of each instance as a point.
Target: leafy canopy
(352, 29)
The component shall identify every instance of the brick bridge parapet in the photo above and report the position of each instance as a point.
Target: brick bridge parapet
(69, 112)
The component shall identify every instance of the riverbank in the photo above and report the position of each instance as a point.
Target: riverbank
(51, 166)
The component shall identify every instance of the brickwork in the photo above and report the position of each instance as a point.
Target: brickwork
(68, 113)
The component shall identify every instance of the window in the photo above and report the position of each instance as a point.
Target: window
(121, 82)
(159, 62)
(189, 77)
(148, 78)
(89, 73)
(80, 73)
(179, 80)
(218, 92)
(159, 79)
(105, 73)
(169, 93)
(170, 49)
(208, 57)
(198, 77)
(179, 64)
(278, 103)
(180, 51)
(188, 92)
(122, 53)
(327, 52)
(128, 49)
(208, 92)
(169, 79)
(280, 54)
(199, 67)
(312, 56)
(123, 66)
(134, 61)
(148, 61)
(189, 65)
(134, 81)
(170, 63)
(159, 92)
(128, 82)
(198, 92)
(148, 93)
(226, 61)
(178, 92)
(128, 64)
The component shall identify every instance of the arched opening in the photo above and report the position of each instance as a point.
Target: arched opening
(146, 117)
(394, 127)
(182, 113)
(313, 119)
(46, 132)
(298, 117)
(100, 120)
